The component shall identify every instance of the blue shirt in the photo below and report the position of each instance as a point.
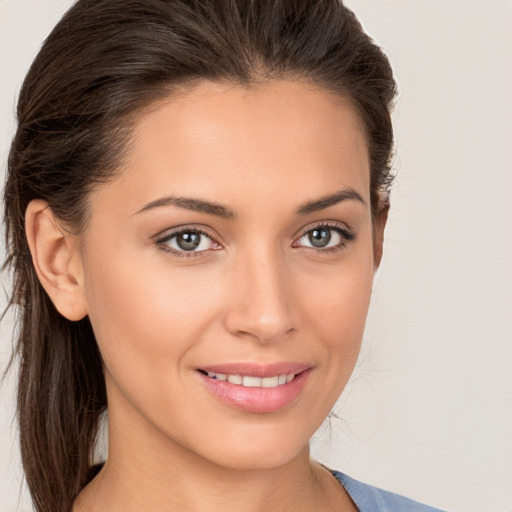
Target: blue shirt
(372, 499)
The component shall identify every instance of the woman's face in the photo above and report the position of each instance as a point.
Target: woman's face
(228, 271)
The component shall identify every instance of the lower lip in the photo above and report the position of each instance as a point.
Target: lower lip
(255, 399)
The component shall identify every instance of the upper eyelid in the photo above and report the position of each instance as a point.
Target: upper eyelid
(341, 226)
(169, 233)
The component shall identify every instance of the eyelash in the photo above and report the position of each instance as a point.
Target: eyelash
(345, 234)
(161, 243)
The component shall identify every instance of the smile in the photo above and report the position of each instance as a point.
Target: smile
(255, 388)
(251, 381)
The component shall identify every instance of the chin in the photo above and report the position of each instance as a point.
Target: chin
(259, 457)
(261, 447)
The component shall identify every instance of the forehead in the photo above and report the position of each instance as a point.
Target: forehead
(277, 140)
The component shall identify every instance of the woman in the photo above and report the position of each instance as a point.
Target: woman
(195, 206)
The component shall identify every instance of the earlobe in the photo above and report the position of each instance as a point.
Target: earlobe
(378, 237)
(56, 259)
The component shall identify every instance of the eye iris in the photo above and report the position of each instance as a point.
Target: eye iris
(319, 237)
(188, 241)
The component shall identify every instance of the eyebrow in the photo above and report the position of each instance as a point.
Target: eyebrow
(218, 210)
(331, 200)
(196, 205)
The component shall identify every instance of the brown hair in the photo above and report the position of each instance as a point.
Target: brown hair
(103, 63)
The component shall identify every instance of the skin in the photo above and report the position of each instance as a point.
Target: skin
(259, 292)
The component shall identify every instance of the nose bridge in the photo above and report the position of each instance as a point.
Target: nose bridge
(262, 306)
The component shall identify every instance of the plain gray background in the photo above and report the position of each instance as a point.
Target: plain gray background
(429, 410)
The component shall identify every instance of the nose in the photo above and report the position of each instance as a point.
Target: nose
(261, 305)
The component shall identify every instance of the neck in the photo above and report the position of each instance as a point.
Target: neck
(145, 470)
(168, 483)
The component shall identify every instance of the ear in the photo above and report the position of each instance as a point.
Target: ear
(57, 260)
(378, 234)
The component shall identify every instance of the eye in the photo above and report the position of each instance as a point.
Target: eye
(187, 242)
(325, 237)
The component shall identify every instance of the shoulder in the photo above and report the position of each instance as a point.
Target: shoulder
(372, 499)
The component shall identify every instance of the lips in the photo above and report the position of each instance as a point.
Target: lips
(256, 388)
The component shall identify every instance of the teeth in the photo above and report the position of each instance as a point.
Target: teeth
(251, 382)
(254, 382)
(270, 382)
(218, 376)
(235, 379)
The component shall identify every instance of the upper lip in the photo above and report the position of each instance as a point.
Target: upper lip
(257, 370)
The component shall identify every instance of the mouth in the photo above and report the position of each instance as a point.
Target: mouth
(250, 381)
(255, 388)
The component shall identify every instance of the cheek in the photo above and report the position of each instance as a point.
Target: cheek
(337, 307)
(146, 316)
(338, 300)
(334, 312)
